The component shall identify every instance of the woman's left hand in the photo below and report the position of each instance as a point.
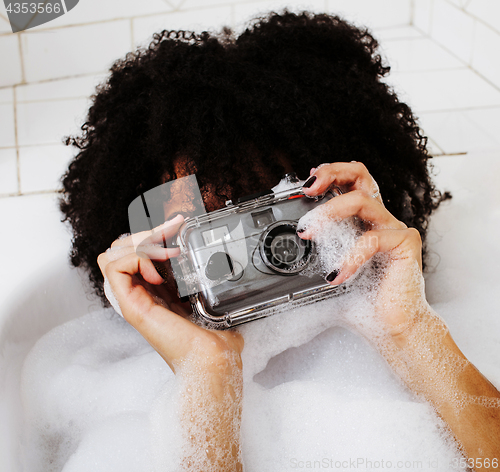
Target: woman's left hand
(401, 285)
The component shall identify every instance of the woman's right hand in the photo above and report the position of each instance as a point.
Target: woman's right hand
(208, 361)
(136, 284)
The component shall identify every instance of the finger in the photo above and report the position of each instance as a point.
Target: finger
(402, 243)
(356, 203)
(349, 175)
(117, 270)
(158, 235)
(112, 254)
(156, 253)
(165, 330)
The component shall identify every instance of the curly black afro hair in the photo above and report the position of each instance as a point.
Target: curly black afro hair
(304, 86)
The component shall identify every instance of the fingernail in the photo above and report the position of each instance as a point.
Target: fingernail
(309, 182)
(332, 276)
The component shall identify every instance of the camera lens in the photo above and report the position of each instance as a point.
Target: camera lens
(285, 249)
(282, 250)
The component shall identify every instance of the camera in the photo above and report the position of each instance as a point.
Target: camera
(246, 261)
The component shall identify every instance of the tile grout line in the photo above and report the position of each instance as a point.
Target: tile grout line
(429, 71)
(34, 192)
(28, 146)
(90, 23)
(463, 109)
(431, 19)
(473, 42)
(21, 56)
(55, 79)
(474, 17)
(16, 140)
(58, 99)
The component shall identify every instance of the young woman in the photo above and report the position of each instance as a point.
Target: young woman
(290, 93)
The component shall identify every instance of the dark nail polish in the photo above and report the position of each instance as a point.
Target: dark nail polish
(309, 182)
(300, 231)
(332, 276)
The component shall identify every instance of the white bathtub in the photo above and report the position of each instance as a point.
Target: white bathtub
(40, 291)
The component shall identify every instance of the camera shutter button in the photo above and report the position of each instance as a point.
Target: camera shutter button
(219, 265)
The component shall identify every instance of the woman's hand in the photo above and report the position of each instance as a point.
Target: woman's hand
(420, 348)
(154, 309)
(401, 286)
(208, 362)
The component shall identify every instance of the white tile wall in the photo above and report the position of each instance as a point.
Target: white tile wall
(488, 11)
(445, 90)
(4, 25)
(47, 122)
(41, 167)
(453, 28)
(244, 12)
(78, 87)
(88, 11)
(192, 4)
(373, 13)
(420, 54)
(8, 171)
(7, 130)
(7, 95)
(11, 69)
(51, 54)
(422, 15)
(394, 33)
(488, 119)
(61, 62)
(486, 54)
(458, 131)
(459, 3)
(211, 19)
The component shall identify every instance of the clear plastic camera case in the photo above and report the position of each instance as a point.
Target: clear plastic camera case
(246, 261)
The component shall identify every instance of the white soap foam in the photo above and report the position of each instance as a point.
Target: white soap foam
(82, 381)
(202, 415)
(316, 395)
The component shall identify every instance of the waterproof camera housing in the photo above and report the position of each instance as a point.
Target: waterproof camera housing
(246, 261)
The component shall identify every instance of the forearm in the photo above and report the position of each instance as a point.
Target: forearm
(430, 363)
(211, 415)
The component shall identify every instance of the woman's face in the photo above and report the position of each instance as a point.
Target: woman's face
(184, 196)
